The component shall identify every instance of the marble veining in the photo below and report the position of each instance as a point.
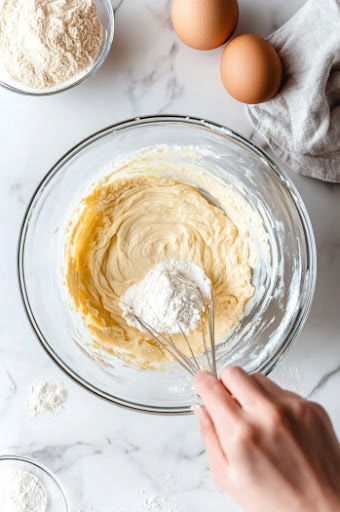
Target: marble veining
(110, 459)
(323, 381)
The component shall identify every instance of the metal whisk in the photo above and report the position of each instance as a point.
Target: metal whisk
(189, 363)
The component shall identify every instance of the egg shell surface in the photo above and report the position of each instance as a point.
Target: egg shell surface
(251, 69)
(204, 24)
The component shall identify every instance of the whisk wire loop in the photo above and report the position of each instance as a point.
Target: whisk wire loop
(190, 363)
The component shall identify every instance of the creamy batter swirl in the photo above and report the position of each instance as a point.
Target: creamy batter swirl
(129, 225)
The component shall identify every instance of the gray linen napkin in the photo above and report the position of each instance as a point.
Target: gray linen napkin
(302, 123)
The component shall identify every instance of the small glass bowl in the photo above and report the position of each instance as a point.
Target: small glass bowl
(57, 499)
(106, 16)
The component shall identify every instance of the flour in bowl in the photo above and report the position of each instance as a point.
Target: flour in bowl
(44, 43)
(171, 297)
(21, 491)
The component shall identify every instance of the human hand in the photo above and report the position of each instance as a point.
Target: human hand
(268, 448)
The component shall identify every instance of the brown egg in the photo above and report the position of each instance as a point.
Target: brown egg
(204, 24)
(251, 69)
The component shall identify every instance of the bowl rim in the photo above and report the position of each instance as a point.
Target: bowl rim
(311, 255)
(44, 469)
(97, 63)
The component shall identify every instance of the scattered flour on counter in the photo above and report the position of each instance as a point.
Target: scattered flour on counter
(21, 491)
(152, 503)
(46, 399)
(149, 501)
(156, 504)
(171, 294)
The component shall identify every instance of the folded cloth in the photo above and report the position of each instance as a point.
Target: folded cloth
(302, 123)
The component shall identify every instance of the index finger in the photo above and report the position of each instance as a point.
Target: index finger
(222, 408)
(247, 390)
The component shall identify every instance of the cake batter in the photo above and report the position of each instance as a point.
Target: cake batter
(128, 225)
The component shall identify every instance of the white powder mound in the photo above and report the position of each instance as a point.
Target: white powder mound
(21, 491)
(44, 43)
(171, 294)
(46, 399)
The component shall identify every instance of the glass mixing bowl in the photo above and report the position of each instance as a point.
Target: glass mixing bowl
(106, 16)
(271, 321)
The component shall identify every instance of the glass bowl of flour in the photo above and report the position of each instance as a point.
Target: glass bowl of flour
(48, 50)
(25, 484)
(232, 174)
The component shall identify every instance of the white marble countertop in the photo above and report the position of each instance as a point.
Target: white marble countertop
(111, 459)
